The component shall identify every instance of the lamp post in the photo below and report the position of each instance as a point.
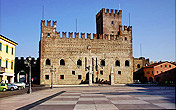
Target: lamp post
(28, 63)
(52, 70)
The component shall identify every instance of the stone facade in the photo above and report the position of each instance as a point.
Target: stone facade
(139, 63)
(87, 58)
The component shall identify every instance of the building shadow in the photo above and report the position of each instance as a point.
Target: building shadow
(168, 93)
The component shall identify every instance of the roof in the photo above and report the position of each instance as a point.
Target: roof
(174, 63)
(8, 40)
(154, 64)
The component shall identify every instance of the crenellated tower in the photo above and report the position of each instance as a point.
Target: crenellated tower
(108, 22)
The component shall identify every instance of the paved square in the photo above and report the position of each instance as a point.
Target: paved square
(98, 98)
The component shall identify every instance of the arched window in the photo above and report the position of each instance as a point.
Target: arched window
(62, 62)
(125, 38)
(117, 63)
(48, 34)
(79, 62)
(47, 62)
(102, 63)
(138, 66)
(127, 63)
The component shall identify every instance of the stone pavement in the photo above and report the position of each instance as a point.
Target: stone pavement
(95, 98)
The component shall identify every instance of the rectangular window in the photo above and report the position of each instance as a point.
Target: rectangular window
(12, 51)
(119, 72)
(165, 66)
(7, 48)
(61, 76)
(6, 63)
(79, 77)
(11, 65)
(47, 77)
(169, 66)
(101, 72)
(0, 62)
(73, 72)
(0, 46)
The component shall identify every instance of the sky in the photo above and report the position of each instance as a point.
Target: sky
(153, 23)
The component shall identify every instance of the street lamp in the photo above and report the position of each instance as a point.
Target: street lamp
(29, 63)
(52, 70)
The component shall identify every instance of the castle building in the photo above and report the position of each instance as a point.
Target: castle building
(77, 58)
(7, 57)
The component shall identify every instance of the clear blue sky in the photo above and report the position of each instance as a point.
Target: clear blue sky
(153, 23)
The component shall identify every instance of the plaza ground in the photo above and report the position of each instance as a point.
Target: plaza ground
(93, 98)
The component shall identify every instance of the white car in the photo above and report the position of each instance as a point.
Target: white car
(21, 85)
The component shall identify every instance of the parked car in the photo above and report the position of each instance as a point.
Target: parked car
(136, 82)
(21, 85)
(12, 86)
(3, 87)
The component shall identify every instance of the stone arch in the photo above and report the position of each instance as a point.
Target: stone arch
(48, 35)
(102, 63)
(79, 62)
(62, 62)
(117, 63)
(127, 63)
(48, 62)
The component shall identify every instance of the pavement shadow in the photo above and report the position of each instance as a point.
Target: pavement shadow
(27, 107)
(167, 92)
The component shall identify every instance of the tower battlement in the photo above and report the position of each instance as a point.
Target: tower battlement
(86, 36)
(109, 12)
(48, 23)
(75, 35)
